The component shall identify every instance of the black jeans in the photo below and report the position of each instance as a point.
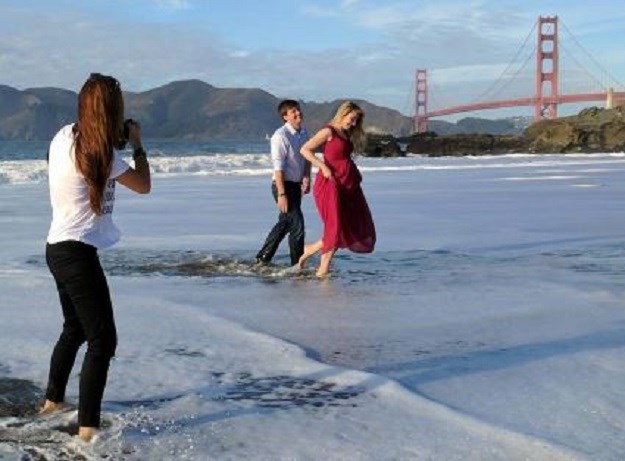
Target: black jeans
(88, 316)
(291, 222)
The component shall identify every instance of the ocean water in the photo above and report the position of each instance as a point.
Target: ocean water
(36, 150)
(488, 324)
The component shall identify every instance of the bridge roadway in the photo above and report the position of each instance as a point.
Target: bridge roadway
(560, 99)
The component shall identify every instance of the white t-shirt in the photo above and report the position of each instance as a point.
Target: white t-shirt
(72, 217)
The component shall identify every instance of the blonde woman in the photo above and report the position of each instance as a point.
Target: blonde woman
(347, 221)
(83, 169)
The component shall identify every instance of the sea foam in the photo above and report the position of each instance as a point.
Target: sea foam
(259, 164)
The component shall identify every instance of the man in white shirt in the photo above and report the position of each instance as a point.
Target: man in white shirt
(291, 180)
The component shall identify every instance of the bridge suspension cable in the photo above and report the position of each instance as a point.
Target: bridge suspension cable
(547, 94)
(589, 76)
(590, 56)
(507, 81)
(513, 77)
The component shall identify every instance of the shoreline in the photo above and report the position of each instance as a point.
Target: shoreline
(593, 130)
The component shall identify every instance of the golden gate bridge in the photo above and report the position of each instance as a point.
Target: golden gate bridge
(548, 94)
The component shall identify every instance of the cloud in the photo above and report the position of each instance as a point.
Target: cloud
(141, 56)
(464, 46)
(148, 55)
(344, 7)
(240, 54)
(317, 11)
(175, 4)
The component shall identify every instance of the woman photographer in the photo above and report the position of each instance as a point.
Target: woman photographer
(83, 170)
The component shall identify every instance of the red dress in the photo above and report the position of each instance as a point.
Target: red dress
(347, 221)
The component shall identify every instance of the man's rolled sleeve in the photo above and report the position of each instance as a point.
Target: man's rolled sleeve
(278, 153)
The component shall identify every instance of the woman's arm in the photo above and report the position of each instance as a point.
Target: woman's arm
(137, 179)
(313, 144)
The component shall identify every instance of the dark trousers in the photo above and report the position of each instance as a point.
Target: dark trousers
(291, 222)
(88, 316)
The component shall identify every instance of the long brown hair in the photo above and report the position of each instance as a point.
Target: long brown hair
(357, 134)
(98, 130)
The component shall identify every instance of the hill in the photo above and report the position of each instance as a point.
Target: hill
(195, 110)
(34, 114)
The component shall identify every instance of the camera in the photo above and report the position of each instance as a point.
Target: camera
(125, 134)
(127, 124)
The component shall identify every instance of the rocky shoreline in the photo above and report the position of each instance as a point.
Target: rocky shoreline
(592, 130)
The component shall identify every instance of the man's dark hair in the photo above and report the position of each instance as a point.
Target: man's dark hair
(287, 104)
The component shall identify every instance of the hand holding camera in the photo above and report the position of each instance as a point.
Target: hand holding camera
(131, 133)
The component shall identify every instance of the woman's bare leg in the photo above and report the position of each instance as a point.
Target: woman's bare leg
(324, 264)
(309, 250)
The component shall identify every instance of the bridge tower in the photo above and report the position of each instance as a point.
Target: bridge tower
(547, 68)
(421, 101)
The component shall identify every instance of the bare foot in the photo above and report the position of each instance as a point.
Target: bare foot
(305, 257)
(324, 264)
(302, 260)
(87, 433)
(322, 275)
(50, 407)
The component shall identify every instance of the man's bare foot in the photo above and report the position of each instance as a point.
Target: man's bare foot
(87, 433)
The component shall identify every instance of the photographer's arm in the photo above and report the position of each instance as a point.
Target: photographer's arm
(137, 179)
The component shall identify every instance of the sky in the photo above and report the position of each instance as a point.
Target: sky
(313, 50)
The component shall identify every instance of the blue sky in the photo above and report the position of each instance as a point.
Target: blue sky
(317, 50)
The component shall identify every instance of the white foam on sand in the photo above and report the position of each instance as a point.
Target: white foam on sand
(189, 385)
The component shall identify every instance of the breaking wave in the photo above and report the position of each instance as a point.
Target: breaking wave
(259, 164)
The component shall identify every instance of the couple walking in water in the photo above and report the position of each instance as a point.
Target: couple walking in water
(343, 209)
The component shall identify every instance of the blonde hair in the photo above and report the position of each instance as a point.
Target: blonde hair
(357, 133)
(98, 131)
